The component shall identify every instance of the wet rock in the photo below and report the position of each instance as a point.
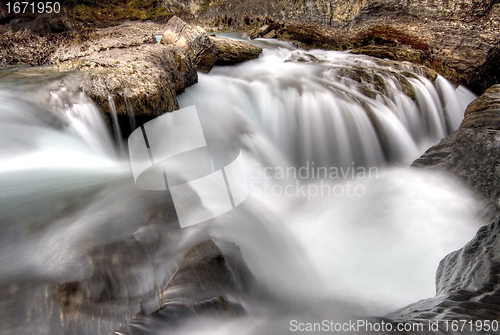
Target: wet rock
(148, 76)
(125, 64)
(458, 39)
(392, 53)
(271, 34)
(93, 41)
(232, 51)
(195, 40)
(207, 284)
(468, 283)
(202, 275)
(122, 63)
(487, 103)
(472, 153)
(375, 51)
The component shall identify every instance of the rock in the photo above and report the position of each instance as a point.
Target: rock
(472, 153)
(32, 42)
(26, 49)
(271, 34)
(124, 63)
(468, 283)
(195, 40)
(47, 24)
(458, 39)
(468, 280)
(5, 16)
(392, 53)
(43, 25)
(149, 76)
(375, 51)
(263, 29)
(212, 277)
(200, 288)
(488, 102)
(88, 42)
(231, 51)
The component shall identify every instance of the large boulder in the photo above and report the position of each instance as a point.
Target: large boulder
(231, 51)
(126, 65)
(149, 76)
(195, 40)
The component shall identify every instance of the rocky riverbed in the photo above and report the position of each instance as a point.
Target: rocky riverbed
(124, 63)
(121, 62)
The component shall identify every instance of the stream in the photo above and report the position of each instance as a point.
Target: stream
(336, 225)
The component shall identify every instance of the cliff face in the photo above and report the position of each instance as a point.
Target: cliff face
(459, 39)
(337, 12)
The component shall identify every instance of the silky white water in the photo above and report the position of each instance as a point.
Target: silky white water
(363, 238)
(293, 110)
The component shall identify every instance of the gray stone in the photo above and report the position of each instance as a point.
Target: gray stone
(458, 39)
(195, 40)
(472, 153)
(232, 51)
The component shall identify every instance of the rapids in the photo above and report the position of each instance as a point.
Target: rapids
(363, 236)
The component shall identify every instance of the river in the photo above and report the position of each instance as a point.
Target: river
(336, 226)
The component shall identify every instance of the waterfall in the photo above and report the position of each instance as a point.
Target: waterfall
(130, 113)
(335, 108)
(83, 250)
(116, 126)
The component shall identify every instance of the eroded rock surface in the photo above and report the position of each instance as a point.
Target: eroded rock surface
(195, 40)
(472, 153)
(468, 283)
(458, 39)
(126, 63)
(231, 51)
(206, 285)
(122, 66)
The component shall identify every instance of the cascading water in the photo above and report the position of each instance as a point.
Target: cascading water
(83, 249)
(334, 108)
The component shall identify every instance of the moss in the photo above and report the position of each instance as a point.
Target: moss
(203, 5)
(92, 11)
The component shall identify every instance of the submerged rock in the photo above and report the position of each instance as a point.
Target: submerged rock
(207, 284)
